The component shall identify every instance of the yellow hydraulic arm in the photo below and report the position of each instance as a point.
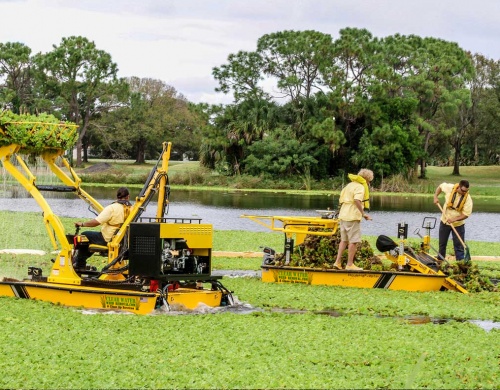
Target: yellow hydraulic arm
(71, 181)
(62, 270)
(156, 183)
(300, 226)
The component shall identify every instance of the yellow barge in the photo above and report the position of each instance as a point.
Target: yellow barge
(408, 281)
(108, 297)
(413, 271)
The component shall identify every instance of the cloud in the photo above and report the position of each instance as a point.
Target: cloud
(180, 41)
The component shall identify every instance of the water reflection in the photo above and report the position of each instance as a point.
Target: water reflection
(244, 308)
(277, 200)
(419, 320)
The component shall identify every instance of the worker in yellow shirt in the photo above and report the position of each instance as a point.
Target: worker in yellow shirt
(354, 199)
(111, 218)
(457, 208)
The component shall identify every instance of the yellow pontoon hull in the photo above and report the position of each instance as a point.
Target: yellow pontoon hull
(137, 302)
(407, 281)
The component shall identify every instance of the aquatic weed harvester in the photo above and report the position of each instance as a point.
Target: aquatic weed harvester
(153, 262)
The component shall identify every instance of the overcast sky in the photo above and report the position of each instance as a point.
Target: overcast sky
(180, 41)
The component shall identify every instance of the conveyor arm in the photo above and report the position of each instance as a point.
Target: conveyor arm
(300, 226)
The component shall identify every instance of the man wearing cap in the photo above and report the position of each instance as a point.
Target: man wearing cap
(111, 218)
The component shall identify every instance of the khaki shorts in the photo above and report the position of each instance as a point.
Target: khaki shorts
(350, 231)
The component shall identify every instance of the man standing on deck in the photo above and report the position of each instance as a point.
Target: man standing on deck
(457, 208)
(354, 199)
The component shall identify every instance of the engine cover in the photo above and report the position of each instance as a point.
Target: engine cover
(165, 250)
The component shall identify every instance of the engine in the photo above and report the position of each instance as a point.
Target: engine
(167, 250)
(177, 258)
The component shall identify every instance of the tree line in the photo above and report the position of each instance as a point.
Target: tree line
(117, 117)
(303, 104)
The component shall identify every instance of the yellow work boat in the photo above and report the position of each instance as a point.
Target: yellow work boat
(108, 297)
(414, 271)
(408, 281)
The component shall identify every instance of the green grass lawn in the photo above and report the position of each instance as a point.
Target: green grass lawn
(483, 180)
(140, 169)
(481, 175)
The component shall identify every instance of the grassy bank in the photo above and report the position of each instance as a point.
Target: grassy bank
(17, 227)
(485, 180)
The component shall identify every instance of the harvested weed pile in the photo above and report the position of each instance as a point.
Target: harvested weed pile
(467, 274)
(321, 252)
(35, 133)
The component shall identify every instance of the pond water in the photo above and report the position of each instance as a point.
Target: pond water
(224, 209)
(244, 308)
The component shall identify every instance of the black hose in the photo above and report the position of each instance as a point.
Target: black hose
(225, 291)
(166, 195)
(118, 258)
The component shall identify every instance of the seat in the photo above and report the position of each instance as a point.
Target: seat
(101, 249)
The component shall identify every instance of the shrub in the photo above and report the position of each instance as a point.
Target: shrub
(110, 176)
(396, 183)
(190, 177)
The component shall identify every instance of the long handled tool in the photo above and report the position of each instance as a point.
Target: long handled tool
(466, 248)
